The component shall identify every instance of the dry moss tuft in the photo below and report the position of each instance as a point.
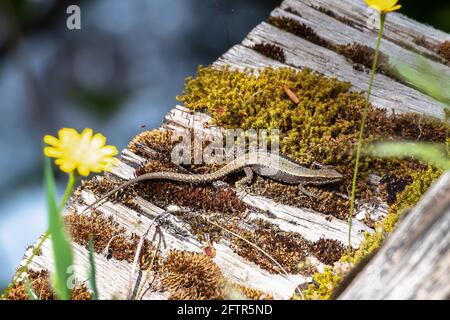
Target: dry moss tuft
(334, 15)
(328, 251)
(102, 185)
(287, 248)
(107, 234)
(322, 127)
(192, 276)
(157, 140)
(299, 29)
(40, 283)
(327, 282)
(246, 292)
(444, 50)
(271, 51)
(363, 56)
(195, 276)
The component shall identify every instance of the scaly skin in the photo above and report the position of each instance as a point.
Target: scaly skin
(264, 164)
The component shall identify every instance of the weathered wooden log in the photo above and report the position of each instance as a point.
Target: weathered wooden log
(343, 23)
(414, 263)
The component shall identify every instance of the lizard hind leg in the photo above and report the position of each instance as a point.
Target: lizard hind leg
(303, 190)
(245, 181)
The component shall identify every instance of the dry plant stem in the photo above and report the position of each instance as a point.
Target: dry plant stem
(138, 253)
(69, 188)
(141, 294)
(361, 130)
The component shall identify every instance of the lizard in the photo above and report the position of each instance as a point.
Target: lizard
(264, 164)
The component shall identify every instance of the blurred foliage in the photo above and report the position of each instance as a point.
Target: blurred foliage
(62, 249)
(427, 79)
(435, 13)
(432, 153)
(102, 103)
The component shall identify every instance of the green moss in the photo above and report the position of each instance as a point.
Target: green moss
(322, 127)
(405, 199)
(323, 287)
(236, 99)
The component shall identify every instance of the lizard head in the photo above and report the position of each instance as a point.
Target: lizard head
(328, 175)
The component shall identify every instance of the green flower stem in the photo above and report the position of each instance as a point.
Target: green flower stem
(361, 130)
(69, 188)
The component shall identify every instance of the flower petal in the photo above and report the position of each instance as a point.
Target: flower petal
(98, 141)
(51, 140)
(52, 152)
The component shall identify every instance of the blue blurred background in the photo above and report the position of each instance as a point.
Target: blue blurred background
(118, 75)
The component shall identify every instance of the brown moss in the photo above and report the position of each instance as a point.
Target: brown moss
(322, 127)
(102, 185)
(327, 202)
(423, 42)
(250, 293)
(287, 248)
(444, 50)
(362, 56)
(107, 234)
(189, 275)
(157, 140)
(334, 15)
(40, 284)
(328, 251)
(293, 11)
(271, 51)
(299, 29)
(199, 197)
(391, 185)
(194, 276)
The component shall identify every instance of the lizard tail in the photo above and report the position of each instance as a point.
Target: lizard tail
(189, 178)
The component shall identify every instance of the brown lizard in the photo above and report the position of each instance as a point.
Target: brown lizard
(262, 163)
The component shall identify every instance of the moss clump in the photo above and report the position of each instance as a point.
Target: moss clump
(287, 248)
(328, 251)
(271, 51)
(189, 275)
(334, 15)
(195, 276)
(299, 29)
(324, 284)
(157, 140)
(363, 56)
(444, 50)
(40, 284)
(322, 127)
(327, 282)
(107, 234)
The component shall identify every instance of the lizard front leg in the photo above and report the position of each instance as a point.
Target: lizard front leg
(303, 190)
(245, 181)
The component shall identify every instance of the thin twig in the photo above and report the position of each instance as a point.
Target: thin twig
(138, 253)
(258, 248)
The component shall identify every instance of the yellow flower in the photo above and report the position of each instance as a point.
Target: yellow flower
(383, 6)
(84, 152)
